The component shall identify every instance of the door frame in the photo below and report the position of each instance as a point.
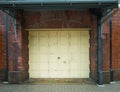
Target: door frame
(54, 80)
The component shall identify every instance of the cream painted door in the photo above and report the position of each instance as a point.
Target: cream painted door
(79, 54)
(38, 54)
(63, 55)
(59, 54)
(53, 53)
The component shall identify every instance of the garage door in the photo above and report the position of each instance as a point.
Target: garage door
(59, 53)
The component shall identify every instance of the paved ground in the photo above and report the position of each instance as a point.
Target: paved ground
(115, 87)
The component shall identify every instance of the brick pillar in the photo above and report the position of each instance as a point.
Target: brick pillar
(18, 52)
(2, 52)
(93, 49)
(106, 51)
(2, 46)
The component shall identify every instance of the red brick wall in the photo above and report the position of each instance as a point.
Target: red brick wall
(116, 45)
(106, 49)
(57, 19)
(2, 46)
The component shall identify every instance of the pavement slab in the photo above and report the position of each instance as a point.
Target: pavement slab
(114, 87)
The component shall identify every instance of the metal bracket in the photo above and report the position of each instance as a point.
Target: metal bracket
(9, 13)
(108, 15)
(15, 26)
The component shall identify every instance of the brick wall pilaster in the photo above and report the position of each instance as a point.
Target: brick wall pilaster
(2, 46)
(93, 49)
(106, 51)
(18, 51)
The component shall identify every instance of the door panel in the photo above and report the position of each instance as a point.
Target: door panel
(59, 54)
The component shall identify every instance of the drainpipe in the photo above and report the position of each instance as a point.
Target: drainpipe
(6, 32)
(111, 70)
(100, 72)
